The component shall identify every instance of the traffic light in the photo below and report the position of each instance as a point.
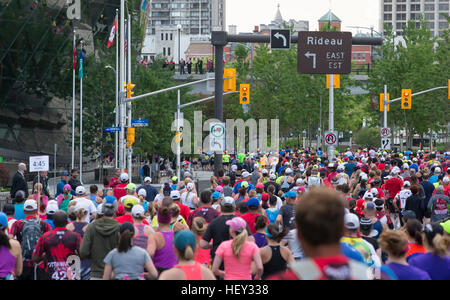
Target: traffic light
(178, 137)
(130, 136)
(406, 99)
(129, 87)
(382, 102)
(229, 80)
(244, 94)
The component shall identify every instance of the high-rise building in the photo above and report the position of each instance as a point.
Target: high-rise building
(198, 17)
(395, 14)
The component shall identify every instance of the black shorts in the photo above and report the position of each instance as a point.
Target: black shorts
(390, 205)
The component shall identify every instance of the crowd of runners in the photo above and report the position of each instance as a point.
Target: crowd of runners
(296, 214)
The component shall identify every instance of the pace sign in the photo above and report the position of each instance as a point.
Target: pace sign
(324, 52)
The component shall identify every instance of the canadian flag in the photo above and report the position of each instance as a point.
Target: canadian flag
(112, 34)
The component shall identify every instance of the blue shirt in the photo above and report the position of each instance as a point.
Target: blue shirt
(349, 167)
(150, 190)
(238, 186)
(50, 222)
(60, 187)
(19, 214)
(92, 197)
(433, 178)
(272, 215)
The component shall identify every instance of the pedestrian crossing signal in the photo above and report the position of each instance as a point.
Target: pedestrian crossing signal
(229, 80)
(244, 94)
(382, 102)
(406, 99)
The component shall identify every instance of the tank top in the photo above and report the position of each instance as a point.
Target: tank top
(202, 256)
(141, 238)
(85, 263)
(191, 272)
(7, 261)
(276, 263)
(165, 258)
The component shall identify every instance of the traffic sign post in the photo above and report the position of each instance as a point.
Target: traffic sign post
(331, 138)
(324, 52)
(280, 39)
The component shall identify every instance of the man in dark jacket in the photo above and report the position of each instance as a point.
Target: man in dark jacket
(100, 238)
(19, 183)
(74, 181)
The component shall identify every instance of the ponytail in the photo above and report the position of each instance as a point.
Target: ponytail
(414, 229)
(441, 245)
(239, 242)
(188, 253)
(125, 242)
(4, 240)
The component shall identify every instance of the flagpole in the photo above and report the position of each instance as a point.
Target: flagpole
(116, 153)
(81, 114)
(122, 80)
(73, 98)
(130, 149)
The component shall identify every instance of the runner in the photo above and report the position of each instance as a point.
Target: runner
(27, 232)
(81, 198)
(201, 256)
(320, 222)
(160, 245)
(59, 248)
(436, 261)
(184, 209)
(260, 228)
(119, 189)
(415, 242)
(439, 206)
(99, 239)
(187, 268)
(205, 210)
(142, 230)
(127, 262)
(275, 258)
(11, 264)
(237, 254)
(65, 198)
(395, 244)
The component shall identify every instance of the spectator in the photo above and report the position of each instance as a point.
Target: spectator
(19, 182)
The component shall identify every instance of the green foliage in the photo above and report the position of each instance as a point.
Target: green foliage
(368, 137)
(418, 65)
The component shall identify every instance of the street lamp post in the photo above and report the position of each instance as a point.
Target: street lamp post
(179, 27)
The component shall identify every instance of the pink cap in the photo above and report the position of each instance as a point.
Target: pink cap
(260, 185)
(219, 188)
(237, 224)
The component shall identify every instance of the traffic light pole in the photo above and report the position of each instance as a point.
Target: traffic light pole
(121, 85)
(218, 91)
(331, 117)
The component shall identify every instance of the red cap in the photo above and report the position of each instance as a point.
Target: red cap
(265, 197)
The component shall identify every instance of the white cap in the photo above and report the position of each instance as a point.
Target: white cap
(374, 191)
(175, 195)
(341, 167)
(227, 200)
(124, 177)
(100, 209)
(299, 181)
(234, 168)
(30, 205)
(142, 192)
(301, 167)
(159, 198)
(330, 165)
(446, 180)
(245, 174)
(414, 159)
(351, 221)
(363, 176)
(368, 195)
(273, 176)
(52, 207)
(265, 171)
(147, 179)
(80, 190)
(395, 170)
(288, 171)
(406, 183)
(138, 211)
(437, 170)
(190, 186)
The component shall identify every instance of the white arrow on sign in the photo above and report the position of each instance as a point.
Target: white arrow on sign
(308, 55)
(279, 35)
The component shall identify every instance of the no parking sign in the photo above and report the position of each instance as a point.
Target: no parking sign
(331, 138)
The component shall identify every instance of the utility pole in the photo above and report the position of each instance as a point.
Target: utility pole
(130, 149)
(121, 84)
(331, 117)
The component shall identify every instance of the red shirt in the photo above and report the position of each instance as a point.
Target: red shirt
(120, 191)
(58, 245)
(184, 210)
(250, 219)
(206, 212)
(128, 218)
(393, 186)
(113, 182)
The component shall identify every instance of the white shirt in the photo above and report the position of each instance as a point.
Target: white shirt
(188, 202)
(87, 204)
(402, 196)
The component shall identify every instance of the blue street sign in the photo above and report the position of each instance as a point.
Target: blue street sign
(112, 129)
(139, 123)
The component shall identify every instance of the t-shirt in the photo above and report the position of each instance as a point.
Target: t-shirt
(437, 267)
(360, 245)
(237, 269)
(206, 212)
(120, 191)
(184, 210)
(288, 213)
(18, 212)
(250, 219)
(218, 231)
(129, 263)
(58, 245)
(401, 198)
(88, 204)
(404, 272)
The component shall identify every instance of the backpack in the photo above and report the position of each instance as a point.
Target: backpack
(31, 233)
(441, 207)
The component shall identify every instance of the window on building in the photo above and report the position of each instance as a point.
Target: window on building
(401, 7)
(167, 36)
(429, 7)
(388, 17)
(171, 36)
(388, 8)
(443, 7)
(430, 25)
(429, 16)
(401, 17)
(443, 25)
(164, 51)
(168, 51)
(415, 7)
(162, 36)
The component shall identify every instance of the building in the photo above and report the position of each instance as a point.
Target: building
(361, 54)
(278, 23)
(395, 14)
(198, 17)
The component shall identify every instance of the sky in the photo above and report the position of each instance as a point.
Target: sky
(248, 13)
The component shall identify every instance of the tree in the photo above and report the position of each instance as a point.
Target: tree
(416, 64)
